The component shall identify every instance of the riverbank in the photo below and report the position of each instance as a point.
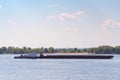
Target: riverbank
(92, 50)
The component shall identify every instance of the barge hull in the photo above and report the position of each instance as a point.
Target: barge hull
(67, 57)
(76, 57)
(19, 57)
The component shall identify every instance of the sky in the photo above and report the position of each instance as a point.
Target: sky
(59, 23)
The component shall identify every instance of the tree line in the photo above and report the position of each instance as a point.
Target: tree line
(94, 50)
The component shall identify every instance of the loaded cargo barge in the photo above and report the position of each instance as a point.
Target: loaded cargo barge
(64, 56)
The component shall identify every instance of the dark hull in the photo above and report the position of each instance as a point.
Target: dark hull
(77, 57)
(22, 57)
(68, 57)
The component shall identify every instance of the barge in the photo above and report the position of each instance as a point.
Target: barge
(65, 56)
(27, 56)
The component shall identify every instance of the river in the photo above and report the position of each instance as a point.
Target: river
(59, 69)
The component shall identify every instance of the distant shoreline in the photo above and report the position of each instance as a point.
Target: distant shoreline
(105, 49)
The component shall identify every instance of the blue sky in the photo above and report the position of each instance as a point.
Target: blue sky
(59, 23)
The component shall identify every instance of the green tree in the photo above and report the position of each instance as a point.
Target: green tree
(51, 50)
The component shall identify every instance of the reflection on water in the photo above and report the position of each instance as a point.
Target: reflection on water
(58, 69)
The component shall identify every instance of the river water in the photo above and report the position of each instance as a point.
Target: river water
(59, 69)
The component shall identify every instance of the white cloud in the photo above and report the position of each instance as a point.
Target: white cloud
(116, 24)
(73, 15)
(50, 17)
(67, 16)
(71, 29)
(11, 22)
(63, 16)
(79, 13)
(0, 6)
(109, 23)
